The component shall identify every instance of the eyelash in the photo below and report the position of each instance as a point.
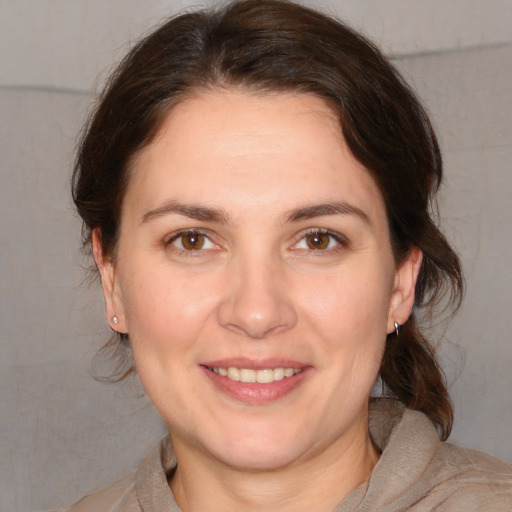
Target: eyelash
(339, 239)
(189, 252)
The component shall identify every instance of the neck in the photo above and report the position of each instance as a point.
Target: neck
(319, 483)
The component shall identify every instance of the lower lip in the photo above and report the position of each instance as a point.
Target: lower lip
(256, 393)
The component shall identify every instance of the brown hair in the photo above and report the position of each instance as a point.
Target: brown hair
(273, 45)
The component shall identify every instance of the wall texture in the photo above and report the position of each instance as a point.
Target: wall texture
(63, 434)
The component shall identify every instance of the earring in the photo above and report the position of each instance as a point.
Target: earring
(397, 328)
(115, 320)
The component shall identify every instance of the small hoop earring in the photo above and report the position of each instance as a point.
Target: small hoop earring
(115, 320)
(397, 329)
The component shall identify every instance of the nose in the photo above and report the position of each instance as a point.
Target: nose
(257, 301)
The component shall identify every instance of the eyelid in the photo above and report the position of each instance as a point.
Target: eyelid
(176, 234)
(172, 237)
(342, 240)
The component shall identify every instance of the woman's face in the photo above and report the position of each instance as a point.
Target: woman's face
(254, 247)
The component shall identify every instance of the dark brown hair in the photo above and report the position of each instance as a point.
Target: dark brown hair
(278, 46)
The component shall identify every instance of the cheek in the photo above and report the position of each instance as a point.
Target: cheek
(165, 310)
(347, 302)
(349, 312)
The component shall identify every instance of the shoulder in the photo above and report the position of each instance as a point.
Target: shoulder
(473, 462)
(418, 472)
(119, 496)
(136, 491)
(469, 480)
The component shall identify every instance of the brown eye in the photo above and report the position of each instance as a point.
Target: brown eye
(192, 241)
(318, 240)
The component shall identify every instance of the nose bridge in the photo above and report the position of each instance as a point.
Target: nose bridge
(257, 301)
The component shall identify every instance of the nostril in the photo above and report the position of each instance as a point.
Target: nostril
(256, 320)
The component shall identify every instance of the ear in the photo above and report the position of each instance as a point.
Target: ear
(113, 303)
(402, 297)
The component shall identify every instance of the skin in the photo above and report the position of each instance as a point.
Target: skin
(256, 290)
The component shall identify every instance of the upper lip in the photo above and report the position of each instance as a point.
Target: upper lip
(255, 364)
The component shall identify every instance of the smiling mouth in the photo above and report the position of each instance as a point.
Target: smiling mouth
(249, 375)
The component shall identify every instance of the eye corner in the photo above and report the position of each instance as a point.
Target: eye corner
(191, 241)
(320, 240)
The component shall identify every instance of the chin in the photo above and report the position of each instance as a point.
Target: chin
(263, 458)
(260, 449)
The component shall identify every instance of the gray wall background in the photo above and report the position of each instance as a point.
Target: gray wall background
(63, 434)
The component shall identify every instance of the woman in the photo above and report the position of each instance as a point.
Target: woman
(255, 184)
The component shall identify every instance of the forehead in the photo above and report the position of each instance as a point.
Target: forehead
(238, 147)
(239, 122)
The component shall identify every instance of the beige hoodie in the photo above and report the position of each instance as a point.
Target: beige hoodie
(416, 472)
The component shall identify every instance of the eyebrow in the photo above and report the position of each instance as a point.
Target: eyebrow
(196, 212)
(319, 210)
(205, 213)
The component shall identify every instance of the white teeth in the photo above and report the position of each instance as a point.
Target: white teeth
(249, 375)
(264, 376)
(233, 374)
(278, 373)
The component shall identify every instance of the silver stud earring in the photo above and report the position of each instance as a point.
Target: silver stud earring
(397, 328)
(115, 320)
